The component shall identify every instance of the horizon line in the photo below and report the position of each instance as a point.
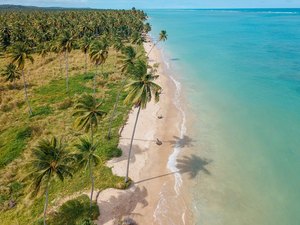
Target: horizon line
(166, 8)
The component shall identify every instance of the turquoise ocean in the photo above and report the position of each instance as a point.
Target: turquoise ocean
(239, 72)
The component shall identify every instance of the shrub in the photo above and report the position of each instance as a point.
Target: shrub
(65, 104)
(114, 152)
(43, 110)
(75, 212)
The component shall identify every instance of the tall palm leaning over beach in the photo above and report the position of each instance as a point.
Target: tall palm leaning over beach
(20, 54)
(11, 73)
(126, 61)
(163, 36)
(50, 160)
(87, 157)
(140, 92)
(88, 113)
(66, 45)
(98, 55)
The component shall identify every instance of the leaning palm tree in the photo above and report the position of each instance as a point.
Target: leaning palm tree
(11, 73)
(98, 55)
(20, 54)
(85, 46)
(50, 160)
(87, 157)
(162, 37)
(126, 62)
(140, 92)
(66, 45)
(88, 112)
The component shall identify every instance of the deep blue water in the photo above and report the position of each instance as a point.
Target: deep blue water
(240, 72)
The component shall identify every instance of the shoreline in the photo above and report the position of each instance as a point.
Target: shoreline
(152, 167)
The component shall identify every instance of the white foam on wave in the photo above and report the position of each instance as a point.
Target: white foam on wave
(273, 12)
(172, 161)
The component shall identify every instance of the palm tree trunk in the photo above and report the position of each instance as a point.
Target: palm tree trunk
(67, 71)
(85, 67)
(46, 201)
(60, 67)
(95, 79)
(115, 108)
(92, 132)
(26, 95)
(132, 137)
(152, 48)
(92, 181)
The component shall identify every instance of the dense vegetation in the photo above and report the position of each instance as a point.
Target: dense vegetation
(65, 74)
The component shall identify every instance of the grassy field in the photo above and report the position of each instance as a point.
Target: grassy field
(53, 109)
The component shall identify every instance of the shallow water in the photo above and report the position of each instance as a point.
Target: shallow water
(240, 73)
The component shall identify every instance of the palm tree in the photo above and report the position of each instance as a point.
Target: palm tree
(50, 160)
(43, 50)
(162, 37)
(140, 92)
(20, 54)
(56, 49)
(66, 44)
(11, 73)
(98, 55)
(118, 44)
(147, 28)
(126, 62)
(87, 158)
(88, 112)
(85, 46)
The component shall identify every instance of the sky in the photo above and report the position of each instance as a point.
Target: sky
(147, 4)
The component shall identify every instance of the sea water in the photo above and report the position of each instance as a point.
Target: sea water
(240, 77)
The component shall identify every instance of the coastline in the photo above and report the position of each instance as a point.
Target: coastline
(156, 193)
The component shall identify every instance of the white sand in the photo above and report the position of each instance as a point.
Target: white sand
(148, 166)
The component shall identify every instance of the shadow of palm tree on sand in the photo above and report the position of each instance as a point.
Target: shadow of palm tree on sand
(122, 205)
(185, 141)
(190, 165)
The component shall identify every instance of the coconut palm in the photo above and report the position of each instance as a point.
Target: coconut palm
(147, 28)
(87, 157)
(140, 92)
(66, 45)
(56, 49)
(11, 73)
(163, 36)
(126, 62)
(88, 112)
(50, 160)
(20, 54)
(98, 55)
(43, 50)
(85, 46)
(118, 44)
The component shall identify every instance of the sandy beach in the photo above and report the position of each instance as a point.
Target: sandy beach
(152, 198)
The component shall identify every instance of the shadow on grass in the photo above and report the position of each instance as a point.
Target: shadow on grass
(74, 211)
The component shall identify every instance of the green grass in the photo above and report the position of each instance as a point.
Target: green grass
(55, 91)
(12, 142)
(53, 109)
(51, 103)
(74, 212)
